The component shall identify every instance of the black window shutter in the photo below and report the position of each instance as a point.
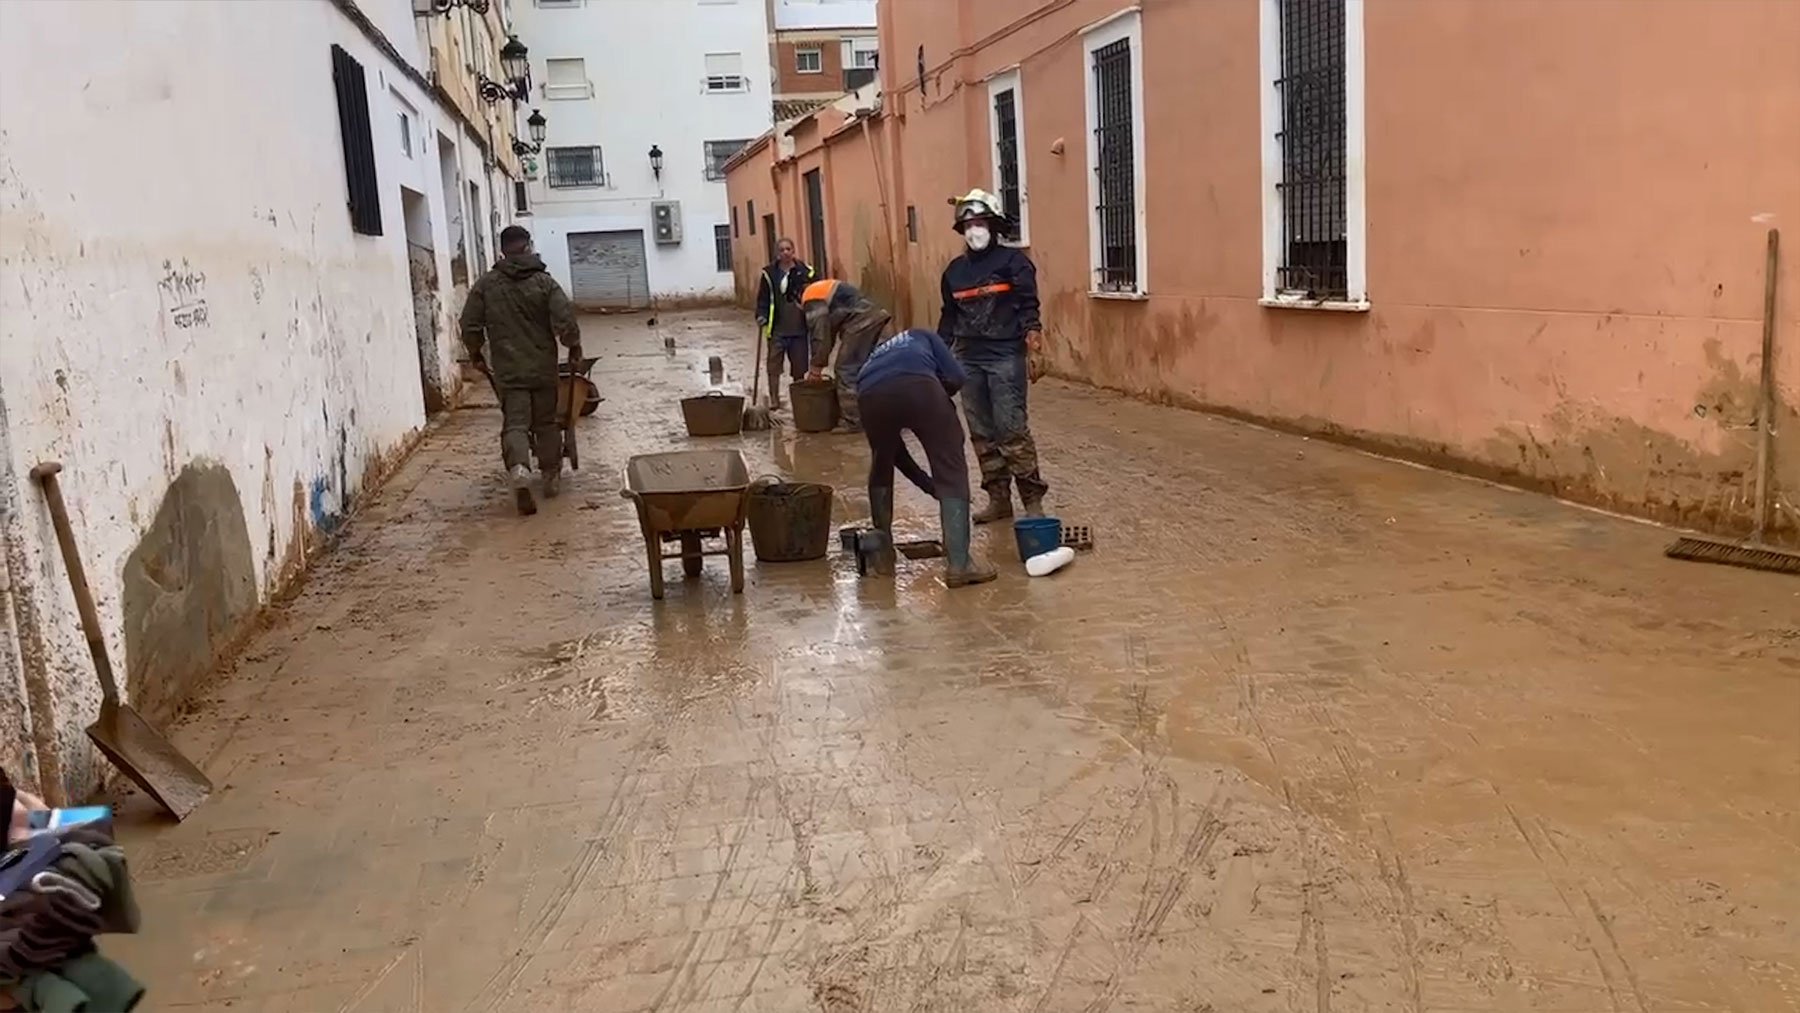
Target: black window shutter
(359, 142)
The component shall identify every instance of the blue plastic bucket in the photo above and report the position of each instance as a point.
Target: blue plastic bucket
(1037, 535)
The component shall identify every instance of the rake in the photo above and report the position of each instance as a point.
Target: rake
(1754, 554)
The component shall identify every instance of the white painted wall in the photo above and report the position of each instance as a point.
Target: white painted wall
(154, 157)
(646, 60)
(793, 15)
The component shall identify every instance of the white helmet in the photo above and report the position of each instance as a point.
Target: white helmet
(974, 205)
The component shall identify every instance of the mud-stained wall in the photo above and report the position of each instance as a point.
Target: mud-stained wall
(194, 358)
(1564, 294)
(189, 587)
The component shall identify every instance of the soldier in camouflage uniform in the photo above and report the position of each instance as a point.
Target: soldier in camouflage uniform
(522, 312)
(990, 317)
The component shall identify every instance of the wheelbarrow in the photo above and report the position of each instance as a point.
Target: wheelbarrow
(686, 497)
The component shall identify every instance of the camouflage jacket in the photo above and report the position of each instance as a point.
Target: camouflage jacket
(522, 312)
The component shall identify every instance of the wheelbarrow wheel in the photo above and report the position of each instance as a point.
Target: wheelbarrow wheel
(691, 562)
(734, 546)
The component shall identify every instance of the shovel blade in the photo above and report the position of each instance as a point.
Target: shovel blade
(149, 759)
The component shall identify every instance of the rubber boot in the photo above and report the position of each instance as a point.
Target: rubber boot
(521, 484)
(1033, 505)
(552, 479)
(881, 518)
(960, 568)
(999, 503)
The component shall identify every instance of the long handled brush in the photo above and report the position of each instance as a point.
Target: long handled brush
(1755, 553)
(756, 417)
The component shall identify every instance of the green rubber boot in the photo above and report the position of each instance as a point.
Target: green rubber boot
(960, 568)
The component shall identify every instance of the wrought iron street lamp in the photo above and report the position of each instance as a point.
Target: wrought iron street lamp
(514, 59)
(535, 123)
(656, 161)
(426, 8)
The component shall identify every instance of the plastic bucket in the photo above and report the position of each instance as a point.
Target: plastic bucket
(713, 414)
(815, 405)
(789, 521)
(1037, 535)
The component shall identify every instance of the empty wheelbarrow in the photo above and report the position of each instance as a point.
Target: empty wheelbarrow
(687, 497)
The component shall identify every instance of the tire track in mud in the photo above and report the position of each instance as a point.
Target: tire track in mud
(1564, 879)
(621, 811)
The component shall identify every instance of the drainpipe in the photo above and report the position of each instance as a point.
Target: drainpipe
(25, 628)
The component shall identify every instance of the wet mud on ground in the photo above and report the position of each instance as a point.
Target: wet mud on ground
(1307, 730)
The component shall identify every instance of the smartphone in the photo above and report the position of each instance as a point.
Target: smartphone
(56, 819)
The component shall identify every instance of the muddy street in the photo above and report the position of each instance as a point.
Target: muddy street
(1307, 730)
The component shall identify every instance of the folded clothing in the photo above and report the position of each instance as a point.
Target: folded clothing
(85, 892)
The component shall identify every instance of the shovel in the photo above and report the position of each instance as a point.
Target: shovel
(572, 411)
(143, 753)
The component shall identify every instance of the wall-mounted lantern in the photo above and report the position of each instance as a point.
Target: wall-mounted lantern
(535, 123)
(515, 65)
(426, 8)
(514, 62)
(656, 161)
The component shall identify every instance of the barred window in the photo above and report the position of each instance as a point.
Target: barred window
(1313, 189)
(573, 167)
(1115, 167)
(1006, 150)
(722, 246)
(720, 152)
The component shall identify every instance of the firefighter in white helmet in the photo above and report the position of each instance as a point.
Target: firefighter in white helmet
(990, 318)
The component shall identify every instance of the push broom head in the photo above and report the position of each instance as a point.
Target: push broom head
(1749, 555)
(756, 418)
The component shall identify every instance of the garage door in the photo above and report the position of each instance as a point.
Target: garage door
(608, 269)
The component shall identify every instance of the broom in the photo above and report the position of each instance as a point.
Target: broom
(756, 417)
(1755, 553)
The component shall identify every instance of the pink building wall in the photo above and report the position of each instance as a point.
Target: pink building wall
(1566, 213)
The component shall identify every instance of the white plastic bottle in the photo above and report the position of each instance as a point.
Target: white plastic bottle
(1045, 563)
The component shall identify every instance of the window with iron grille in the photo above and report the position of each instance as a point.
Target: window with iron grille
(566, 168)
(718, 153)
(352, 88)
(1006, 148)
(1006, 130)
(722, 245)
(750, 215)
(1115, 168)
(1312, 135)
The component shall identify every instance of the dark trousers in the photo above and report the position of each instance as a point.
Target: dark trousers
(994, 402)
(792, 350)
(528, 420)
(915, 404)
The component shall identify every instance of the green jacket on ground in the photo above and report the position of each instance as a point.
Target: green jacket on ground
(523, 313)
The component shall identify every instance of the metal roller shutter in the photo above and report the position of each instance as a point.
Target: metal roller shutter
(609, 269)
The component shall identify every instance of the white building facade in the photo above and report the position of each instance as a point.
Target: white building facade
(230, 235)
(645, 101)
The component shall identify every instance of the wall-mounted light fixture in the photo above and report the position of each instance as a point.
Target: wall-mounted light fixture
(535, 123)
(515, 65)
(656, 161)
(426, 8)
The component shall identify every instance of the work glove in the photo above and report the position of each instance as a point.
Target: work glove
(1035, 363)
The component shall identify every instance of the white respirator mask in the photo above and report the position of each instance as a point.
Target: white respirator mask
(978, 237)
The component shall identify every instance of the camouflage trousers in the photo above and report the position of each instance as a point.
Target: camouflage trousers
(528, 422)
(994, 404)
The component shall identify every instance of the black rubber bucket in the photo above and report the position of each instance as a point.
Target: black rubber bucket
(815, 405)
(789, 521)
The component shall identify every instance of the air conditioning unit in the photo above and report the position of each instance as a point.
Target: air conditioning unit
(665, 219)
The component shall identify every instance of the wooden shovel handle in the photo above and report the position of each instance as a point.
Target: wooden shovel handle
(45, 476)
